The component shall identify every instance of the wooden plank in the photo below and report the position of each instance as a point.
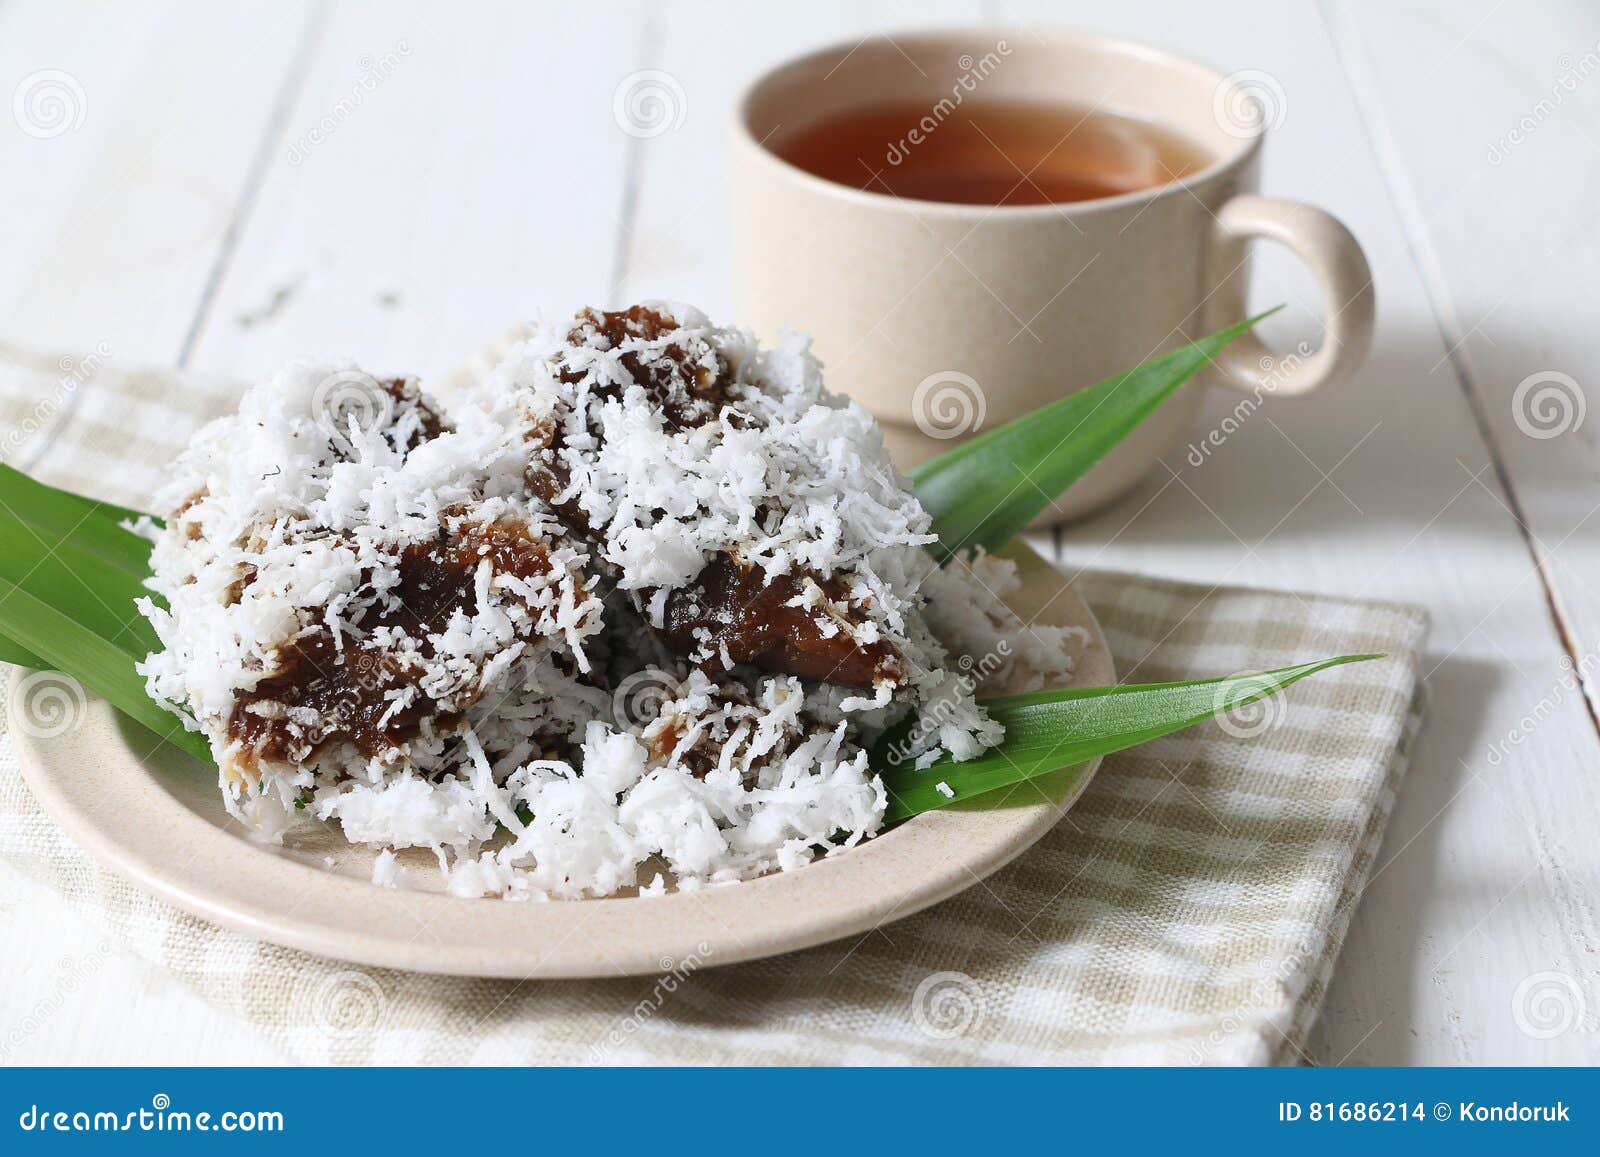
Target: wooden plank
(1385, 490)
(708, 52)
(1499, 213)
(443, 174)
(116, 215)
(124, 170)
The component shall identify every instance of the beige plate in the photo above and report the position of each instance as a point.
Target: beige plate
(158, 819)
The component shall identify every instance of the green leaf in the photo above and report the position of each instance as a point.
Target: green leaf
(94, 526)
(70, 552)
(1051, 730)
(11, 653)
(60, 571)
(64, 499)
(101, 666)
(985, 491)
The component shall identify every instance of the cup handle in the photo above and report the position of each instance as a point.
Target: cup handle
(1333, 256)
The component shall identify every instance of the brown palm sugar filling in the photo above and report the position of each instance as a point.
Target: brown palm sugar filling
(688, 386)
(743, 610)
(748, 618)
(346, 694)
(667, 735)
(430, 423)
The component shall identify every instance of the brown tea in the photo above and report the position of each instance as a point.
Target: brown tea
(990, 152)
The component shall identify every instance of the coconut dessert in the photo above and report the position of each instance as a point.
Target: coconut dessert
(630, 614)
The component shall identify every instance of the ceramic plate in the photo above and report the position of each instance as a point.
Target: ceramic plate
(156, 817)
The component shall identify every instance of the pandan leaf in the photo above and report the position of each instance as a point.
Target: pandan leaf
(985, 491)
(57, 513)
(99, 665)
(1051, 730)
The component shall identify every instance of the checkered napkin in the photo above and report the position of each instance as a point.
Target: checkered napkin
(1188, 909)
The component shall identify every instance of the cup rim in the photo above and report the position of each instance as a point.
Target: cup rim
(1248, 144)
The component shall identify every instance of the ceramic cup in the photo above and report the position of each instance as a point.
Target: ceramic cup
(945, 319)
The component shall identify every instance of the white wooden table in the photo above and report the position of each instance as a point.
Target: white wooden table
(237, 184)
